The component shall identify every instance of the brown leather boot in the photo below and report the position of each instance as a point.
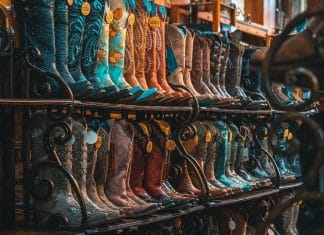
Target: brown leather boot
(200, 154)
(161, 132)
(223, 69)
(117, 189)
(151, 65)
(142, 147)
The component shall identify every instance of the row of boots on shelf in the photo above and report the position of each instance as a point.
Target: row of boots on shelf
(125, 52)
(133, 168)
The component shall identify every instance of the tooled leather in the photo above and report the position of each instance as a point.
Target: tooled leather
(102, 65)
(140, 33)
(101, 168)
(211, 152)
(92, 30)
(129, 69)
(177, 42)
(223, 70)
(117, 36)
(61, 40)
(233, 75)
(197, 71)
(75, 40)
(215, 62)
(160, 58)
(151, 60)
(188, 62)
(79, 170)
(139, 157)
(154, 172)
(119, 164)
(207, 43)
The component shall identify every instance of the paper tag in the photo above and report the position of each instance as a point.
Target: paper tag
(290, 136)
(91, 137)
(131, 19)
(85, 8)
(98, 142)
(170, 145)
(172, 64)
(230, 136)
(149, 146)
(154, 22)
(208, 137)
(285, 133)
(231, 224)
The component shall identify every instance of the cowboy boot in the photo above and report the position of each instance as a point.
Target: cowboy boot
(229, 217)
(129, 71)
(286, 221)
(101, 168)
(91, 36)
(117, 185)
(222, 154)
(225, 49)
(200, 154)
(36, 29)
(161, 133)
(295, 219)
(211, 157)
(64, 210)
(116, 59)
(233, 77)
(95, 142)
(206, 43)
(184, 97)
(81, 88)
(102, 64)
(76, 24)
(232, 153)
(79, 170)
(188, 66)
(142, 147)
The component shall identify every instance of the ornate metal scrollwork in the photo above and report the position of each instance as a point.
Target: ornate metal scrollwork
(302, 77)
(185, 133)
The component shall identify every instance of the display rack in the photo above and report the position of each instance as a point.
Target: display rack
(12, 104)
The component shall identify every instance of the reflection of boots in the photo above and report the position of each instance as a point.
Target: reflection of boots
(79, 170)
(61, 204)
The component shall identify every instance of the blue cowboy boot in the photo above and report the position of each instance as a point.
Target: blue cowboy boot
(81, 88)
(76, 25)
(36, 29)
(116, 57)
(92, 33)
(222, 154)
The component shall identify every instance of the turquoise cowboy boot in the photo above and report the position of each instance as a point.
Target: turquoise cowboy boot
(92, 30)
(76, 24)
(222, 154)
(116, 55)
(81, 88)
(35, 22)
